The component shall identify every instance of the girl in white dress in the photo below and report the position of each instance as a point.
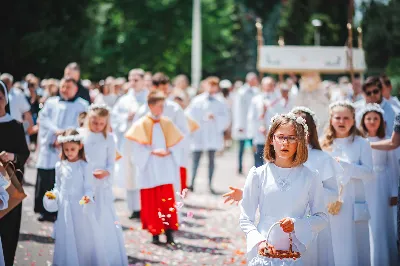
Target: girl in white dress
(3, 204)
(345, 143)
(78, 240)
(330, 174)
(381, 192)
(283, 190)
(101, 154)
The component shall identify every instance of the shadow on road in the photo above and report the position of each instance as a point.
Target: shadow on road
(36, 238)
(136, 261)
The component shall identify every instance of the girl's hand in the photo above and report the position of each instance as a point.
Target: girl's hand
(7, 156)
(100, 174)
(287, 225)
(235, 195)
(161, 153)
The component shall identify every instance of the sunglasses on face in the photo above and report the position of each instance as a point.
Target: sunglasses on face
(375, 91)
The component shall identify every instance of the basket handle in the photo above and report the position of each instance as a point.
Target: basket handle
(290, 236)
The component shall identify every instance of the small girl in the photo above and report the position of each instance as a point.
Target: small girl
(100, 151)
(3, 204)
(382, 191)
(283, 190)
(78, 241)
(344, 142)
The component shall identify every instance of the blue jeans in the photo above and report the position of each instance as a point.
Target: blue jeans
(241, 151)
(196, 162)
(259, 155)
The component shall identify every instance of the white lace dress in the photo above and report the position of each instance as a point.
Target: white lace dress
(278, 193)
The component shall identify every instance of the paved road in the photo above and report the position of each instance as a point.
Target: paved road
(211, 237)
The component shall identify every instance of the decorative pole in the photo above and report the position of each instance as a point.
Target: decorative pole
(360, 36)
(350, 40)
(260, 43)
(281, 43)
(196, 44)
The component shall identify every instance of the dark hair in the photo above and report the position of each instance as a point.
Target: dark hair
(385, 80)
(3, 87)
(372, 81)
(312, 130)
(381, 130)
(69, 79)
(159, 78)
(81, 118)
(155, 96)
(81, 154)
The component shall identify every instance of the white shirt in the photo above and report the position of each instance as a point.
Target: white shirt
(108, 100)
(279, 193)
(240, 110)
(56, 115)
(210, 135)
(18, 104)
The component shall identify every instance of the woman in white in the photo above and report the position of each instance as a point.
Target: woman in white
(344, 142)
(101, 153)
(282, 189)
(78, 236)
(381, 192)
(3, 205)
(330, 173)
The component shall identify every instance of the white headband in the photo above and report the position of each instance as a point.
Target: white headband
(70, 138)
(298, 119)
(342, 103)
(372, 107)
(5, 90)
(99, 106)
(305, 110)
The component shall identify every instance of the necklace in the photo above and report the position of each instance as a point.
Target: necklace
(282, 182)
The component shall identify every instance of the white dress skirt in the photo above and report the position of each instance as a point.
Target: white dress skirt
(78, 240)
(278, 193)
(3, 205)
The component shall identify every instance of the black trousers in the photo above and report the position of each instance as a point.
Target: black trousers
(44, 182)
(9, 232)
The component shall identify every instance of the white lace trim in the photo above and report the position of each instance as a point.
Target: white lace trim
(342, 103)
(305, 110)
(65, 139)
(292, 116)
(372, 107)
(95, 106)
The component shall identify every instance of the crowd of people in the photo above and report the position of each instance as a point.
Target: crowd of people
(314, 171)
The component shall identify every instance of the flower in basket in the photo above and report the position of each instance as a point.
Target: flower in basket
(334, 207)
(84, 200)
(50, 195)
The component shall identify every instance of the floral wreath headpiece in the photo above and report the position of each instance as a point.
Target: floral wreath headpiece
(372, 107)
(95, 106)
(298, 119)
(305, 110)
(342, 103)
(70, 138)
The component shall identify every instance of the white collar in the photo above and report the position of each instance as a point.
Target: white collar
(6, 118)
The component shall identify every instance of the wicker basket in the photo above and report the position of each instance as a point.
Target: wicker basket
(280, 258)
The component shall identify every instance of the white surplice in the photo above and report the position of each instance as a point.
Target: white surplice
(78, 235)
(153, 170)
(278, 193)
(210, 135)
(240, 109)
(379, 191)
(351, 241)
(100, 152)
(330, 174)
(56, 115)
(3, 205)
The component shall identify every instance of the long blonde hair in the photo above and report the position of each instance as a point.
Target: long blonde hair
(99, 112)
(330, 133)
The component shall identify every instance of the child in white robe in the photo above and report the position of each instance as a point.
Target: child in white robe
(155, 142)
(282, 190)
(100, 152)
(345, 143)
(381, 191)
(3, 205)
(78, 240)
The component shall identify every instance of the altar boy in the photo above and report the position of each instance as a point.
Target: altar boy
(156, 151)
(58, 114)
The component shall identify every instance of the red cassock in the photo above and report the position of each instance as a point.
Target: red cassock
(183, 174)
(158, 209)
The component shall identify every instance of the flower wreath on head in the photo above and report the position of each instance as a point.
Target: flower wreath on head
(305, 110)
(372, 107)
(95, 106)
(70, 138)
(342, 103)
(298, 119)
